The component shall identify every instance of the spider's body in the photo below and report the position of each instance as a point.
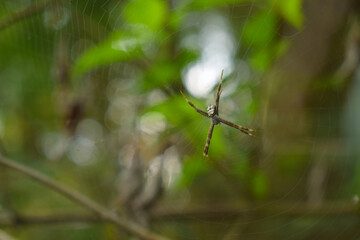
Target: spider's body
(211, 110)
(213, 114)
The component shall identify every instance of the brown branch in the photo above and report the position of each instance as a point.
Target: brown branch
(288, 209)
(83, 200)
(30, 11)
(207, 212)
(17, 220)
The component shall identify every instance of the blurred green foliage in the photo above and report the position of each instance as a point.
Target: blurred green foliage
(147, 37)
(291, 11)
(120, 46)
(121, 60)
(151, 13)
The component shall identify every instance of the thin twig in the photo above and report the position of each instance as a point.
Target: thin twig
(83, 200)
(30, 11)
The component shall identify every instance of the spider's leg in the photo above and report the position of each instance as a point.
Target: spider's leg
(193, 106)
(208, 139)
(218, 93)
(239, 127)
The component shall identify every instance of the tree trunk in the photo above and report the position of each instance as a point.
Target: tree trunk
(288, 121)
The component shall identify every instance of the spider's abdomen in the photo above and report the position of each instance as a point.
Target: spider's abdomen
(211, 110)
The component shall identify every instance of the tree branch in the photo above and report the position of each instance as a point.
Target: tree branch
(30, 11)
(207, 212)
(280, 209)
(17, 220)
(83, 200)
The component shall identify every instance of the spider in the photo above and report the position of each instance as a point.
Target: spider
(213, 114)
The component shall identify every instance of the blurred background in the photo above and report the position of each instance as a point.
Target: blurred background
(90, 95)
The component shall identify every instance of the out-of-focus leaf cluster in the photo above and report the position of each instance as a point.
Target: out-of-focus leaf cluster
(122, 60)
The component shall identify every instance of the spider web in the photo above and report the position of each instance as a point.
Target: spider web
(98, 121)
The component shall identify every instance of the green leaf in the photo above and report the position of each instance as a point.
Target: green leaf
(205, 4)
(260, 29)
(151, 13)
(120, 46)
(291, 11)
